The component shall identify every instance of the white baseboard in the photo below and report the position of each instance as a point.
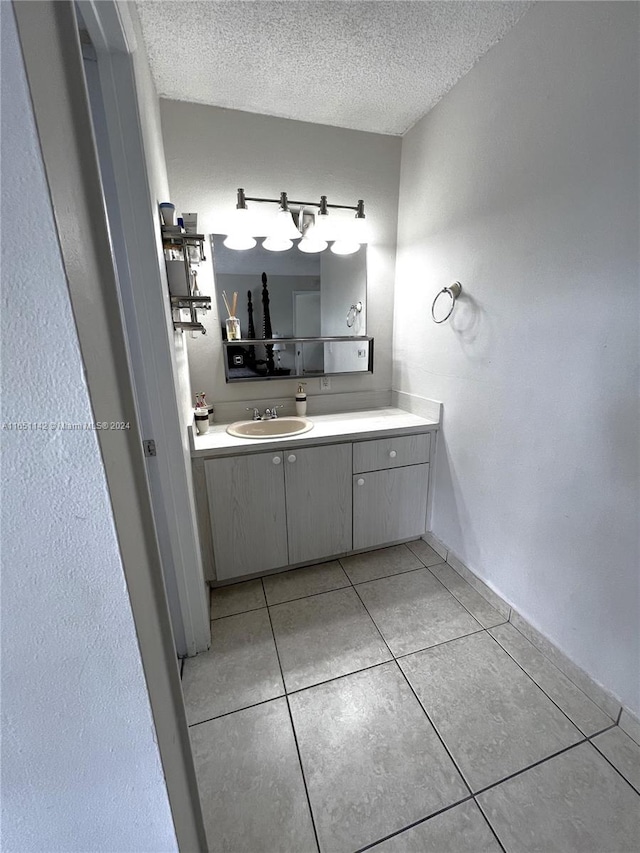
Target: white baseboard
(598, 694)
(436, 544)
(480, 586)
(630, 724)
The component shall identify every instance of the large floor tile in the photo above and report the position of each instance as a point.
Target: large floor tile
(240, 669)
(413, 611)
(380, 564)
(461, 829)
(325, 636)
(311, 580)
(238, 598)
(622, 752)
(475, 603)
(250, 782)
(425, 553)
(573, 803)
(492, 717)
(372, 761)
(578, 707)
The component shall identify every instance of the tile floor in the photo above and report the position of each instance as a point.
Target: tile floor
(381, 702)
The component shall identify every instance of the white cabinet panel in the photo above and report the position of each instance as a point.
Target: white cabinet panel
(318, 489)
(247, 508)
(389, 505)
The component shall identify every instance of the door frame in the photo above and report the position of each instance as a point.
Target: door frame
(53, 62)
(147, 315)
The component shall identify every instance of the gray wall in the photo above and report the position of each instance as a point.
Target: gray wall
(211, 152)
(80, 765)
(523, 184)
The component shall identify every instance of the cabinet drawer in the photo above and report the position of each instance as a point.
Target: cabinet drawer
(390, 452)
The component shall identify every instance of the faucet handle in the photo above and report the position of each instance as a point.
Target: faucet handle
(273, 411)
(256, 412)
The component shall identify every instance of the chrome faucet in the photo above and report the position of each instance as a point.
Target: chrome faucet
(269, 413)
(272, 413)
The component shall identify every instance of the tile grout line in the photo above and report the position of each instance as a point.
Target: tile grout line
(618, 771)
(488, 822)
(530, 767)
(473, 796)
(455, 763)
(461, 603)
(436, 645)
(293, 728)
(236, 711)
(239, 613)
(570, 680)
(529, 676)
(414, 824)
(566, 675)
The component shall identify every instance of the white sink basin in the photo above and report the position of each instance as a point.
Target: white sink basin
(275, 428)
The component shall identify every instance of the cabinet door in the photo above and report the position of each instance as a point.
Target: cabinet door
(318, 481)
(246, 504)
(389, 505)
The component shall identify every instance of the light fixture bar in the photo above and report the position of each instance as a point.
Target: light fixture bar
(322, 204)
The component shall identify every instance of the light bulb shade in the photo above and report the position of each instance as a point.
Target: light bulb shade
(239, 241)
(322, 227)
(345, 247)
(359, 230)
(277, 244)
(311, 246)
(241, 221)
(311, 243)
(283, 227)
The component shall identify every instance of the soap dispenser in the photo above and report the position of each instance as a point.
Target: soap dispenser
(301, 400)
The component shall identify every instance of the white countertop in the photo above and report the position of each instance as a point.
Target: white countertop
(372, 423)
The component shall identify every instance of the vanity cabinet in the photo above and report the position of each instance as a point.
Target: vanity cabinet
(297, 505)
(275, 509)
(390, 485)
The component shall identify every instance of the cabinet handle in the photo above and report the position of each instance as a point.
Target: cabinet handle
(361, 481)
(292, 457)
(392, 454)
(277, 460)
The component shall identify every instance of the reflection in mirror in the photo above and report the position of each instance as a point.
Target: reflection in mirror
(245, 362)
(285, 295)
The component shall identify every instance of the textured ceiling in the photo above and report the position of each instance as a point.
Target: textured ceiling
(364, 64)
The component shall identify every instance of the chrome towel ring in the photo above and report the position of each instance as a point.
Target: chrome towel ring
(454, 292)
(352, 313)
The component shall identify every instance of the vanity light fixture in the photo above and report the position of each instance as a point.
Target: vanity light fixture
(314, 238)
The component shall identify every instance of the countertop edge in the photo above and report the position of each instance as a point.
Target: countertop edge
(309, 439)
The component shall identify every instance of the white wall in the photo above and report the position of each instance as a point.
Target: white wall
(523, 184)
(211, 152)
(80, 765)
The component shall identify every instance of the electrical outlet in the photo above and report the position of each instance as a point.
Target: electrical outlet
(325, 383)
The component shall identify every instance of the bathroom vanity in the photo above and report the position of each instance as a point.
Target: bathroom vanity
(355, 481)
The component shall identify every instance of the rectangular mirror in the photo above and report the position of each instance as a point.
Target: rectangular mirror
(288, 296)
